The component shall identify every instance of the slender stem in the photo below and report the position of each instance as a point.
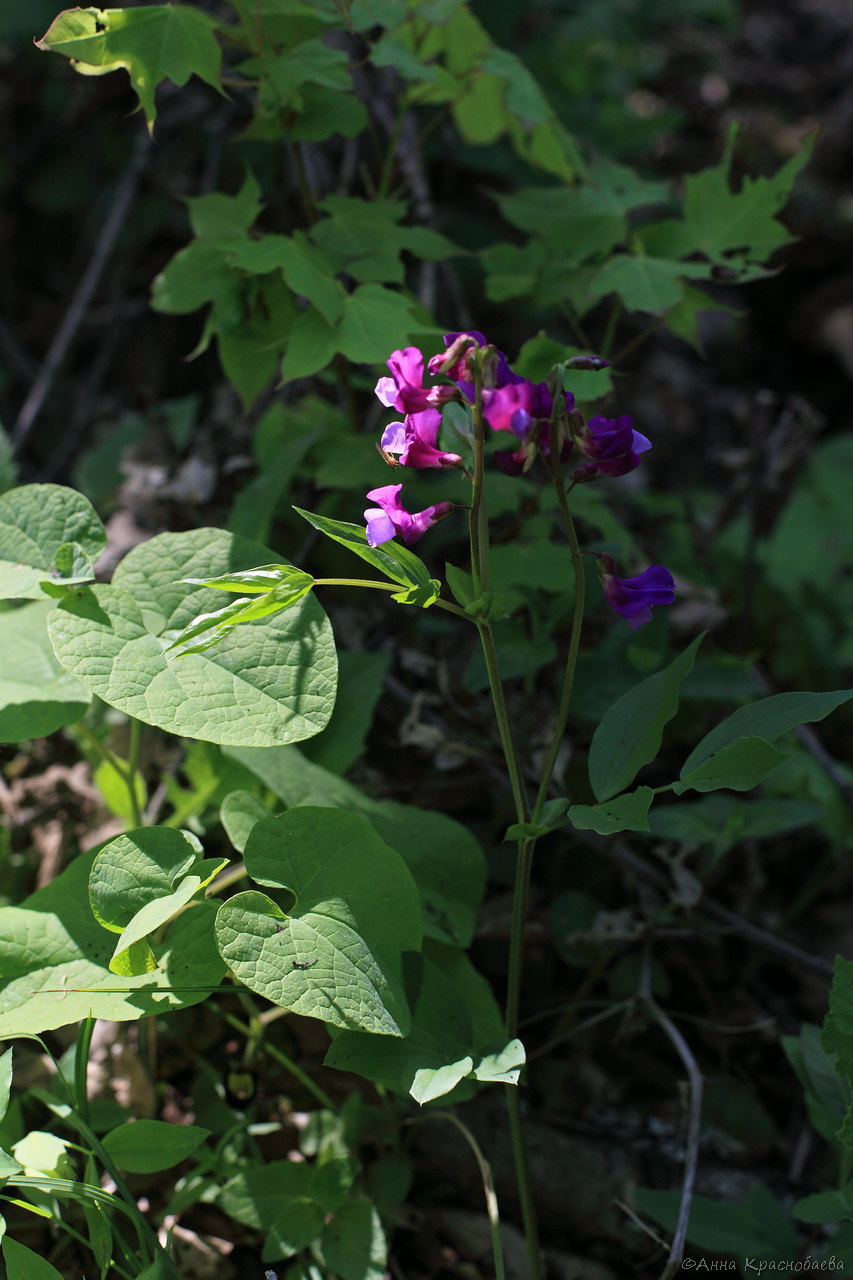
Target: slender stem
(577, 624)
(282, 1059)
(126, 769)
(478, 520)
(488, 1189)
(479, 536)
(522, 1173)
(447, 605)
(391, 154)
(610, 331)
(225, 879)
(516, 780)
(132, 769)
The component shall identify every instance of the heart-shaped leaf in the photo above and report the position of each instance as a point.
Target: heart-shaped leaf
(36, 523)
(336, 953)
(272, 680)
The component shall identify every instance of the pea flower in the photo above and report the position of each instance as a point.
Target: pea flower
(612, 445)
(404, 390)
(389, 517)
(414, 441)
(634, 597)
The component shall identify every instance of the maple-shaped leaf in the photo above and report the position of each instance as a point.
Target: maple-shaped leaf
(724, 224)
(154, 43)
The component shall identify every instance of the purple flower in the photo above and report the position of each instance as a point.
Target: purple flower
(613, 446)
(457, 362)
(389, 517)
(414, 441)
(634, 597)
(404, 390)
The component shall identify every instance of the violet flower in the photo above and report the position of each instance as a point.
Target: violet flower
(634, 597)
(612, 445)
(404, 390)
(389, 517)
(414, 441)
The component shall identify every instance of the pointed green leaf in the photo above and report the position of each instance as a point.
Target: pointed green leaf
(37, 523)
(336, 954)
(147, 1146)
(629, 735)
(768, 719)
(740, 766)
(24, 1264)
(270, 680)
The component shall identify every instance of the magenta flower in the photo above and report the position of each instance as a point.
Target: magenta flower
(414, 441)
(634, 597)
(389, 517)
(404, 390)
(612, 445)
(517, 407)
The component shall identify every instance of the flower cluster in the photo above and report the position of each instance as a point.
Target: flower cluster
(535, 415)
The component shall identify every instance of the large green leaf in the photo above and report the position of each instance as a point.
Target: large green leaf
(442, 855)
(37, 695)
(456, 1034)
(629, 735)
(272, 680)
(336, 953)
(769, 719)
(54, 961)
(152, 43)
(38, 524)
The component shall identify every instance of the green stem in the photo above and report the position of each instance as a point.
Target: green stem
(479, 536)
(391, 154)
(126, 769)
(577, 624)
(282, 1059)
(610, 331)
(389, 586)
(516, 781)
(478, 520)
(522, 1174)
(132, 769)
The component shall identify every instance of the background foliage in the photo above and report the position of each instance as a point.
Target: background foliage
(589, 173)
